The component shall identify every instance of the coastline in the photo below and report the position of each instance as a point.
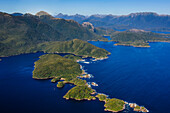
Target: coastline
(83, 56)
(85, 89)
(117, 44)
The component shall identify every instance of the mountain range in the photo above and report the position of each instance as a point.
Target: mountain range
(143, 20)
(29, 33)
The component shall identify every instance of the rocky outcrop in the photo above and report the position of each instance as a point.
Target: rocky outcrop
(138, 108)
(88, 25)
(137, 30)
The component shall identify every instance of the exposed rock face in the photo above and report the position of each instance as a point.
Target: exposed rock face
(88, 25)
(94, 84)
(137, 30)
(138, 108)
(132, 105)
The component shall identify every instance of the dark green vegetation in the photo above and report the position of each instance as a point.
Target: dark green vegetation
(80, 93)
(114, 105)
(102, 97)
(69, 28)
(55, 79)
(72, 57)
(58, 67)
(52, 66)
(60, 84)
(77, 47)
(137, 38)
(103, 31)
(19, 34)
(77, 81)
(29, 33)
(137, 107)
(65, 69)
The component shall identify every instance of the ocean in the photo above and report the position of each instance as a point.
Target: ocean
(139, 75)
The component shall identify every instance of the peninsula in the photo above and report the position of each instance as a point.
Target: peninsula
(60, 68)
(66, 70)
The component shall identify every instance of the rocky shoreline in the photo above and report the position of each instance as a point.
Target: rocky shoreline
(138, 108)
(82, 89)
(106, 100)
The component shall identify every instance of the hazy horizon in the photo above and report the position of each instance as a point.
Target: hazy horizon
(86, 7)
(81, 14)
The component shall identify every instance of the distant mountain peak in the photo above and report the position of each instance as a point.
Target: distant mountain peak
(16, 14)
(42, 13)
(143, 14)
(60, 14)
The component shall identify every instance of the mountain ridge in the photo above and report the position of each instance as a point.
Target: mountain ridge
(142, 20)
(29, 34)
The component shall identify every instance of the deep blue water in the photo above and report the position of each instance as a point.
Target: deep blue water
(120, 29)
(140, 75)
(161, 32)
(108, 37)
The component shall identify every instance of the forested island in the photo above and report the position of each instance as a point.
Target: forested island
(133, 37)
(137, 38)
(66, 70)
(114, 105)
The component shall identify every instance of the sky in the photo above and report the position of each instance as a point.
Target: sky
(86, 7)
